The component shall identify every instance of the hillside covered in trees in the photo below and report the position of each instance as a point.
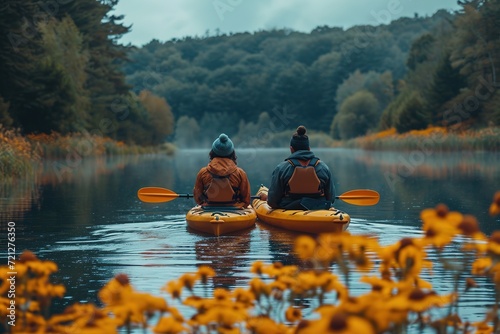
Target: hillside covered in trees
(63, 69)
(409, 74)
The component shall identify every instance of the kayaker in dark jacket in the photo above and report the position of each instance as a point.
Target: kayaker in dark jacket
(222, 182)
(302, 181)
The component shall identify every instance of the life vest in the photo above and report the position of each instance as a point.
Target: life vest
(304, 181)
(220, 191)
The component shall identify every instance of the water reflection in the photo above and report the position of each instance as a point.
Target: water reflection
(90, 222)
(18, 197)
(83, 187)
(228, 255)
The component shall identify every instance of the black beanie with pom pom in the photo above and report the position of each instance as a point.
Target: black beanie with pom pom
(299, 140)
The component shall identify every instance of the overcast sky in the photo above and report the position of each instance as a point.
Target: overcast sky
(168, 19)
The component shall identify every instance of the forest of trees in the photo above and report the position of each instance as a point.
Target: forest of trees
(63, 69)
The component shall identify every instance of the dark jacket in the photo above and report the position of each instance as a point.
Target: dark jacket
(282, 174)
(222, 167)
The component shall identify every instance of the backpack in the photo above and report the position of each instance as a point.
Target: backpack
(220, 190)
(304, 181)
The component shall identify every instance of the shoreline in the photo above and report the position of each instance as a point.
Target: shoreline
(20, 153)
(434, 139)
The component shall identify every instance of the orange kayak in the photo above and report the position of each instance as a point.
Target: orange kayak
(306, 221)
(220, 220)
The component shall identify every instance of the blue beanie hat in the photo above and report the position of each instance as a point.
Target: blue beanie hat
(299, 140)
(223, 146)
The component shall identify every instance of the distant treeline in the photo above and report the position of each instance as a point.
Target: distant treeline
(63, 69)
(409, 74)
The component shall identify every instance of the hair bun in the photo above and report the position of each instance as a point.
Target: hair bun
(223, 138)
(301, 130)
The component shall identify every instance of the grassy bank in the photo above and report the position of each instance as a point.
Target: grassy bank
(432, 139)
(20, 154)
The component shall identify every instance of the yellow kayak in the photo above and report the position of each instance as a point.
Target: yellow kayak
(306, 221)
(220, 220)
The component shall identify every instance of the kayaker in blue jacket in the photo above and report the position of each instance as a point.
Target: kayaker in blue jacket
(302, 181)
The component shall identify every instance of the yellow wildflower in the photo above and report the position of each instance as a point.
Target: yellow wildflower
(495, 206)
(406, 256)
(304, 247)
(439, 234)
(278, 285)
(382, 285)
(287, 281)
(244, 296)
(257, 267)
(175, 313)
(356, 304)
(82, 318)
(482, 327)
(259, 287)
(169, 325)
(339, 322)
(328, 282)
(293, 314)
(439, 215)
(188, 281)
(204, 272)
(359, 248)
(418, 300)
(221, 294)
(195, 302)
(469, 227)
(265, 325)
(222, 316)
(29, 261)
(116, 291)
(306, 282)
(272, 270)
(493, 246)
(481, 266)
(148, 303)
(174, 288)
(408, 284)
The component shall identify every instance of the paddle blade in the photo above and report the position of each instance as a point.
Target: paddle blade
(156, 195)
(360, 197)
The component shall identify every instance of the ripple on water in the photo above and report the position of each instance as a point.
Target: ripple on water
(154, 252)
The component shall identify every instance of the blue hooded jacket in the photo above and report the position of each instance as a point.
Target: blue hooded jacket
(283, 172)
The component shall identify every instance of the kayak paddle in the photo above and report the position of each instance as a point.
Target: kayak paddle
(158, 195)
(363, 197)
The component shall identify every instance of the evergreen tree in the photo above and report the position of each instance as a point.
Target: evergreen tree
(19, 46)
(446, 84)
(63, 101)
(106, 81)
(420, 51)
(475, 53)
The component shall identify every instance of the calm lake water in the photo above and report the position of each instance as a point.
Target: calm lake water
(85, 215)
